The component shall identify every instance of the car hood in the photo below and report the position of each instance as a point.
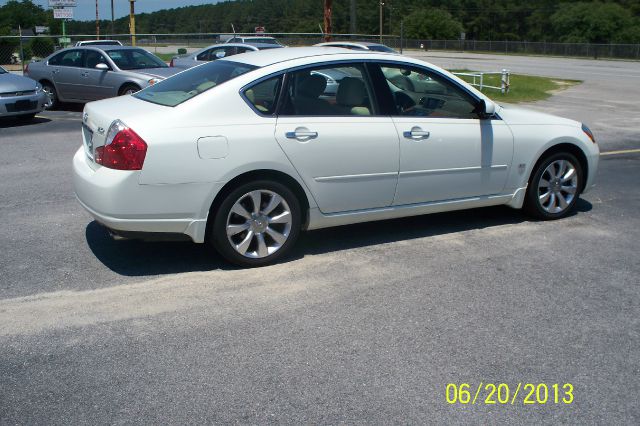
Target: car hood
(16, 83)
(157, 72)
(514, 115)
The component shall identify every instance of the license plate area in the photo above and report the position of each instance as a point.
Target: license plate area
(22, 105)
(87, 136)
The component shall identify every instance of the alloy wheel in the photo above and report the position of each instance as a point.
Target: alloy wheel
(557, 186)
(259, 224)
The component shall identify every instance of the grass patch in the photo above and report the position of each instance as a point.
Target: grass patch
(166, 56)
(524, 88)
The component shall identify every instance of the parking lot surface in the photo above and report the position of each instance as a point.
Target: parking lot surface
(367, 323)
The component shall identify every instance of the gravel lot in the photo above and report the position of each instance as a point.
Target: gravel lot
(368, 323)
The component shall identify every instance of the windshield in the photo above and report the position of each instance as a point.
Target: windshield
(261, 40)
(135, 59)
(192, 82)
(381, 48)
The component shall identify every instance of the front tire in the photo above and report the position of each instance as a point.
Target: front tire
(554, 187)
(128, 89)
(257, 223)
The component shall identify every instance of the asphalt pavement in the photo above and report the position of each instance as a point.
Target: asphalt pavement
(364, 324)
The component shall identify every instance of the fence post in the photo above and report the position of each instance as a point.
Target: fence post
(21, 48)
(504, 81)
(481, 81)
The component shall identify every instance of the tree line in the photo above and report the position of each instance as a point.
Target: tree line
(606, 21)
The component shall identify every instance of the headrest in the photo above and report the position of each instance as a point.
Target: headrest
(351, 92)
(312, 86)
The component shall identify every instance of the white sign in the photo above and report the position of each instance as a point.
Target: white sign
(63, 3)
(40, 30)
(63, 13)
(259, 30)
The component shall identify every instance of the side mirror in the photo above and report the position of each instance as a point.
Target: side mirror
(485, 109)
(102, 67)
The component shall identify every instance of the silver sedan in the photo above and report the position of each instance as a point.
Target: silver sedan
(218, 51)
(20, 96)
(83, 74)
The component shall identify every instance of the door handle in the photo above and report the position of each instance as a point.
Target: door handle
(84, 74)
(416, 133)
(304, 135)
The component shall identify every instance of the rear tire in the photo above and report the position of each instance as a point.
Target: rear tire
(256, 223)
(52, 95)
(554, 187)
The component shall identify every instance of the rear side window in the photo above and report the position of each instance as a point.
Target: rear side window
(263, 96)
(70, 58)
(190, 83)
(340, 90)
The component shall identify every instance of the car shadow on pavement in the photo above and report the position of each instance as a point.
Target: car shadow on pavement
(388, 231)
(145, 258)
(18, 122)
(142, 258)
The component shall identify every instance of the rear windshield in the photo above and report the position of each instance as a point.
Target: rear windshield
(381, 48)
(263, 40)
(188, 84)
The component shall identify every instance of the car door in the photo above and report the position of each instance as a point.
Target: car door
(67, 74)
(98, 83)
(447, 151)
(344, 150)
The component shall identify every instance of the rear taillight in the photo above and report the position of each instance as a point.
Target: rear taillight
(171, 63)
(123, 150)
(26, 69)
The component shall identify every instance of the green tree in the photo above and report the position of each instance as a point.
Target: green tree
(594, 22)
(432, 24)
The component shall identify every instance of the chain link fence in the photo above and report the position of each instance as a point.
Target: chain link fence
(16, 51)
(584, 50)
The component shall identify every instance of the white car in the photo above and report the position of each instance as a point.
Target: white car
(246, 152)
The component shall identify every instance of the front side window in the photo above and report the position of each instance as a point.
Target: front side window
(93, 58)
(340, 90)
(174, 91)
(263, 96)
(421, 93)
(135, 59)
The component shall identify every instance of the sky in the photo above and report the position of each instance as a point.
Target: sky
(86, 9)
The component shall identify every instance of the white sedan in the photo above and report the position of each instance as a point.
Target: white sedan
(245, 153)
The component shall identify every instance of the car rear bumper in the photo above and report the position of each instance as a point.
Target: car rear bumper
(9, 108)
(116, 200)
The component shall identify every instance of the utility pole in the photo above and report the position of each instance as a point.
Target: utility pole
(353, 27)
(381, 4)
(327, 20)
(97, 22)
(113, 27)
(132, 21)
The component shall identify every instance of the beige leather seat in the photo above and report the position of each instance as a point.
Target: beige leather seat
(307, 100)
(352, 97)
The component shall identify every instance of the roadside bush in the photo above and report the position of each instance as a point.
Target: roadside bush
(182, 51)
(27, 53)
(40, 47)
(7, 49)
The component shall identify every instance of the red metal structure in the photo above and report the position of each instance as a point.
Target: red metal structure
(327, 20)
